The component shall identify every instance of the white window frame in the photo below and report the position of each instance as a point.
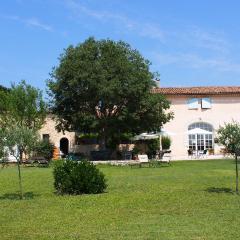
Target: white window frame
(206, 103)
(193, 103)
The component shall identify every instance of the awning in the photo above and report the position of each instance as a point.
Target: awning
(198, 131)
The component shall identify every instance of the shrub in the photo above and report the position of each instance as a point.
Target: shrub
(166, 142)
(153, 147)
(44, 149)
(72, 177)
(136, 150)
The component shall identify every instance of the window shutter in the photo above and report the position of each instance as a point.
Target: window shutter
(193, 103)
(206, 103)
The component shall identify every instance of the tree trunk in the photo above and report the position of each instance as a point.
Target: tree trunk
(236, 160)
(102, 142)
(20, 156)
(20, 179)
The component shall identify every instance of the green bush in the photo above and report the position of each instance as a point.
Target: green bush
(153, 147)
(136, 150)
(44, 149)
(71, 177)
(166, 142)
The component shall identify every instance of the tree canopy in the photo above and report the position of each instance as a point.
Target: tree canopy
(105, 87)
(24, 105)
(229, 136)
(21, 108)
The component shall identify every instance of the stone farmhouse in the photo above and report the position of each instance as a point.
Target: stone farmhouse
(198, 113)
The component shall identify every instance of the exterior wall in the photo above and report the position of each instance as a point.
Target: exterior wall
(85, 148)
(55, 136)
(224, 109)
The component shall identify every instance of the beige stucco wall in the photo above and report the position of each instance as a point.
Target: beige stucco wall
(55, 136)
(224, 109)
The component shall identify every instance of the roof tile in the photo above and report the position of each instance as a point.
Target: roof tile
(197, 90)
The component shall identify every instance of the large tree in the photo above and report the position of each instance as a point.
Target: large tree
(104, 87)
(229, 136)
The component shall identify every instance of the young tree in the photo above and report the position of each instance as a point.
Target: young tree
(17, 139)
(22, 106)
(26, 105)
(104, 87)
(229, 136)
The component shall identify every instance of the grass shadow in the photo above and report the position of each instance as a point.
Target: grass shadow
(16, 196)
(220, 190)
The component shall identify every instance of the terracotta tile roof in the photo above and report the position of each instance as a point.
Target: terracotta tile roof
(197, 90)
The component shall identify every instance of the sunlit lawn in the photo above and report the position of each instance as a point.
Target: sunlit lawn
(188, 200)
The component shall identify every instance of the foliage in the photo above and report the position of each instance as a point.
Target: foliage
(45, 149)
(229, 136)
(105, 87)
(153, 146)
(136, 150)
(24, 105)
(4, 89)
(166, 142)
(71, 177)
(17, 140)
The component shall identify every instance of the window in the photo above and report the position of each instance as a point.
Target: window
(205, 126)
(192, 141)
(200, 136)
(206, 103)
(45, 137)
(193, 103)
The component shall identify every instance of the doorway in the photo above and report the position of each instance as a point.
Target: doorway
(64, 146)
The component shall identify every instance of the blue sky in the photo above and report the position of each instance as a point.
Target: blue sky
(190, 43)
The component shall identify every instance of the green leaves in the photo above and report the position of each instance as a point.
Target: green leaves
(104, 87)
(229, 136)
(26, 105)
(18, 139)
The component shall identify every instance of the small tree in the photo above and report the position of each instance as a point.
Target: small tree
(166, 142)
(229, 136)
(18, 140)
(26, 105)
(23, 106)
(44, 149)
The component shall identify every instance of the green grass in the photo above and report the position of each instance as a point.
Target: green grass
(188, 200)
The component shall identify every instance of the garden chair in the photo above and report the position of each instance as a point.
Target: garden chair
(203, 153)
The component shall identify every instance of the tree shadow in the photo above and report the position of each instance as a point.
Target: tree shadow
(16, 196)
(220, 190)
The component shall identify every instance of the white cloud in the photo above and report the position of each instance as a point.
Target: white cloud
(36, 23)
(149, 30)
(214, 41)
(33, 22)
(188, 60)
(152, 31)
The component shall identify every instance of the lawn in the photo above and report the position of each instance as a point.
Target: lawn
(188, 200)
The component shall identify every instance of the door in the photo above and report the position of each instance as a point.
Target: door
(64, 146)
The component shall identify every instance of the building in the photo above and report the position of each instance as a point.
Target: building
(63, 141)
(198, 113)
